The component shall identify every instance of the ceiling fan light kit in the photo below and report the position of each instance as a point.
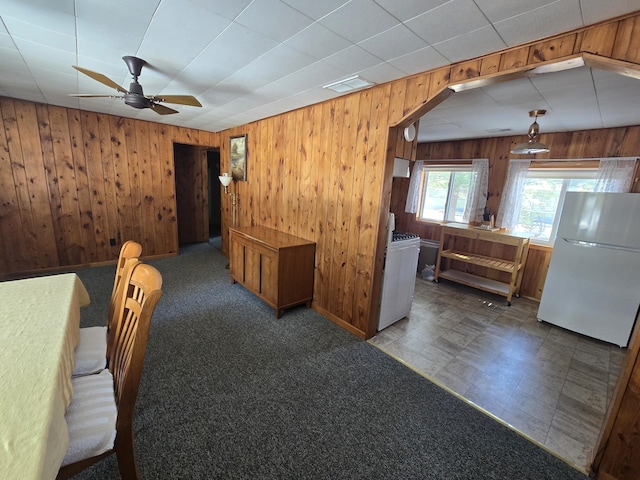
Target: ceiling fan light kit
(532, 146)
(135, 97)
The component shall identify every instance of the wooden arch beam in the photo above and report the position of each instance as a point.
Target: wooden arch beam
(621, 67)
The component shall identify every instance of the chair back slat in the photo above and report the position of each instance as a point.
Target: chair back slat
(130, 251)
(116, 304)
(140, 295)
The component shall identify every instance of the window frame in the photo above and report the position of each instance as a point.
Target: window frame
(566, 174)
(451, 168)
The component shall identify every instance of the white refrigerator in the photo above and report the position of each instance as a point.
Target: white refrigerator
(593, 282)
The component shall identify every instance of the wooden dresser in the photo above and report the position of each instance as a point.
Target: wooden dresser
(276, 266)
(489, 260)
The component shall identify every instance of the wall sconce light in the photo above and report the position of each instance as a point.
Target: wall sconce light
(225, 180)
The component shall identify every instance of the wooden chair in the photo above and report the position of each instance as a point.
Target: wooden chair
(100, 415)
(91, 352)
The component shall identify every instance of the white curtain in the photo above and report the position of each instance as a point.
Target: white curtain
(614, 175)
(477, 197)
(512, 194)
(414, 188)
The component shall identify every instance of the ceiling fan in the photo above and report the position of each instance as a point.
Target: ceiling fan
(135, 96)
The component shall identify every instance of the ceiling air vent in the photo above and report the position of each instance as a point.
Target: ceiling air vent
(349, 84)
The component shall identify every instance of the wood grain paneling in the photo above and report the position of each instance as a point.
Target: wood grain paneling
(322, 172)
(61, 202)
(616, 454)
(71, 181)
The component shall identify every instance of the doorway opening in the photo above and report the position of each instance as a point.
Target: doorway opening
(197, 193)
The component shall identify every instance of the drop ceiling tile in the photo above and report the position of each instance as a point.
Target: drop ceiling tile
(352, 59)
(228, 9)
(628, 116)
(37, 52)
(571, 100)
(596, 10)
(350, 22)
(497, 10)
(309, 77)
(54, 79)
(559, 16)
(25, 91)
(419, 61)
(10, 54)
(619, 102)
(613, 81)
(243, 103)
(109, 14)
(20, 30)
(318, 41)
(439, 132)
(564, 79)
(316, 10)
(393, 43)
(43, 15)
(202, 26)
(381, 73)
(283, 21)
(470, 45)
(408, 9)
(65, 6)
(276, 63)
(14, 76)
(511, 89)
(449, 20)
(525, 102)
(235, 48)
(173, 62)
(90, 34)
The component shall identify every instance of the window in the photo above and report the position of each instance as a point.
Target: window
(444, 193)
(543, 197)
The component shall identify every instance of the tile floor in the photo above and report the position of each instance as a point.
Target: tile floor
(548, 383)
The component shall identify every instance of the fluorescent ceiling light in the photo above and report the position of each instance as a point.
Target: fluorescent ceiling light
(349, 84)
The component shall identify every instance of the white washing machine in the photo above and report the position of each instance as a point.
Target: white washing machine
(399, 278)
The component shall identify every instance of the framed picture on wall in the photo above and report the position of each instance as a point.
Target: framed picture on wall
(238, 157)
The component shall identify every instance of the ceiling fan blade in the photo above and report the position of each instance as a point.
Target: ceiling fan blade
(178, 99)
(162, 110)
(93, 95)
(100, 78)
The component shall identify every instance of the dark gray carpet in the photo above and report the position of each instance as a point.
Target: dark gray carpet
(229, 392)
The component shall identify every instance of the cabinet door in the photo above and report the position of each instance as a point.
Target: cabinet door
(252, 269)
(236, 260)
(269, 277)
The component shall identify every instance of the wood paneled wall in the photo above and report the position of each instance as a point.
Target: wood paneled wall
(322, 172)
(608, 142)
(72, 182)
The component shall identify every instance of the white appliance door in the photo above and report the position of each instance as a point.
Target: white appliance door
(605, 218)
(592, 290)
(399, 281)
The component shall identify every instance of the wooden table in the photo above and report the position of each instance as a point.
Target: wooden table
(39, 330)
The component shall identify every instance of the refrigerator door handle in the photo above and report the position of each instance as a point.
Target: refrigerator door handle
(581, 243)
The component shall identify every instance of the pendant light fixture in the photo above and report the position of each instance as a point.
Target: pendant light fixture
(532, 145)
